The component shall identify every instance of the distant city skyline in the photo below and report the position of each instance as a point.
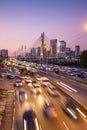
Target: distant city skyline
(23, 21)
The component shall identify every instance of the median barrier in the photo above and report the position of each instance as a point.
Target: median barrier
(74, 78)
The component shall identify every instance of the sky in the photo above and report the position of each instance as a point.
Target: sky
(23, 21)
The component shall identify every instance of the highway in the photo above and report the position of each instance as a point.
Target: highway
(36, 102)
(75, 89)
(63, 122)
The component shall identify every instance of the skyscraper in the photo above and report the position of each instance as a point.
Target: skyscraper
(4, 53)
(61, 48)
(77, 50)
(33, 52)
(38, 52)
(53, 44)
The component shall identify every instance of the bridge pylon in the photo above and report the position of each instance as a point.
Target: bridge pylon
(43, 50)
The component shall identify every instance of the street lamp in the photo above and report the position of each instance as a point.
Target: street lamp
(45, 46)
(85, 26)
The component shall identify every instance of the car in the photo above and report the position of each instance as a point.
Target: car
(70, 108)
(52, 90)
(44, 81)
(22, 77)
(10, 76)
(31, 73)
(30, 121)
(56, 70)
(27, 80)
(38, 77)
(3, 74)
(36, 89)
(34, 82)
(18, 83)
(29, 83)
(49, 110)
(23, 96)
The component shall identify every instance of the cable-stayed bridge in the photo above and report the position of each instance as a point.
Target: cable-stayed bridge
(44, 43)
(42, 40)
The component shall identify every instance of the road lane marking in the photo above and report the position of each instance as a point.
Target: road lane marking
(69, 87)
(64, 87)
(65, 125)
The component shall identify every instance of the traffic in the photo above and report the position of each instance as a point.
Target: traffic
(45, 100)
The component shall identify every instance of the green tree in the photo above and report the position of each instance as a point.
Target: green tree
(83, 58)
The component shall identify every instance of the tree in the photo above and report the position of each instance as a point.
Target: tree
(83, 58)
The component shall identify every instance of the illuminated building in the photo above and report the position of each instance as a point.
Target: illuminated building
(53, 44)
(61, 49)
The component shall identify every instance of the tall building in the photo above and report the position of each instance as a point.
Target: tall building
(61, 49)
(38, 52)
(49, 53)
(77, 50)
(68, 50)
(72, 54)
(53, 44)
(27, 55)
(33, 52)
(4, 53)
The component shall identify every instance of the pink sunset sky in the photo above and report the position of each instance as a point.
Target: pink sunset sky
(22, 22)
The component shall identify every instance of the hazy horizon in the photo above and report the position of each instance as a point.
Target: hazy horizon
(23, 21)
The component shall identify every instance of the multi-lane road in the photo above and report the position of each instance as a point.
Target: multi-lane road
(63, 122)
(75, 89)
(36, 102)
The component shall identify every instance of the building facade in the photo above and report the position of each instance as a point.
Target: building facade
(38, 52)
(33, 52)
(61, 49)
(77, 51)
(4, 53)
(53, 45)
